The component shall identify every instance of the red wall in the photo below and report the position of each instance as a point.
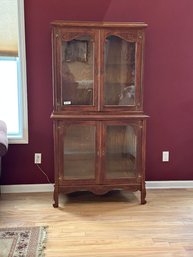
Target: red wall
(168, 83)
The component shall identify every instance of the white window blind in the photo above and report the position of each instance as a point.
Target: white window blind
(8, 28)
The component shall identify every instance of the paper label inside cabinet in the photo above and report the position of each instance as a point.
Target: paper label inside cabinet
(67, 102)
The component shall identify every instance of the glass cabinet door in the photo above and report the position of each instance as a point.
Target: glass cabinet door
(78, 70)
(122, 71)
(119, 72)
(121, 150)
(79, 151)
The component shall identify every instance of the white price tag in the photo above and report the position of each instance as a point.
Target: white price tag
(67, 102)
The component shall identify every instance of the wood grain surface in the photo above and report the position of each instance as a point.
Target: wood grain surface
(113, 225)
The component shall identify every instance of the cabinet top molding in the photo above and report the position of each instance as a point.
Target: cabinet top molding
(102, 24)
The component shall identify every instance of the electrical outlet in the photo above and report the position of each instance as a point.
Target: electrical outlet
(165, 156)
(37, 158)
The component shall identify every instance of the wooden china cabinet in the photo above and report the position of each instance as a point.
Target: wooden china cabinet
(98, 118)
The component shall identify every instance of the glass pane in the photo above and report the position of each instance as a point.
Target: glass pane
(119, 72)
(121, 150)
(77, 71)
(9, 109)
(79, 152)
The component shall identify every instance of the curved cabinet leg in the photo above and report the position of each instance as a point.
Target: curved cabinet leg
(143, 194)
(56, 196)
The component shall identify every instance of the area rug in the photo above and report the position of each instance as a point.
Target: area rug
(23, 241)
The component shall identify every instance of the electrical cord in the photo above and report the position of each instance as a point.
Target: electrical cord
(43, 172)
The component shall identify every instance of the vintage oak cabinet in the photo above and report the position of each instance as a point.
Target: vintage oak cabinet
(98, 119)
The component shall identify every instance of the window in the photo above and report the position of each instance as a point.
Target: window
(13, 88)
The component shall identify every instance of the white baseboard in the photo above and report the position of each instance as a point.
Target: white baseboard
(169, 184)
(50, 187)
(31, 188)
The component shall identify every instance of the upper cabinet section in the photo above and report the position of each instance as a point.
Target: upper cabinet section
(97, 66)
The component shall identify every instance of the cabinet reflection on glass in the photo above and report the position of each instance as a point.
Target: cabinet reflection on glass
(77, 71)
(119, 71)
(79, 152)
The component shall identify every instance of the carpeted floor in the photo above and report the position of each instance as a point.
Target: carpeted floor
(22, 241)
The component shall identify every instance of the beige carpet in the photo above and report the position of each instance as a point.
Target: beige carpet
(22, 241)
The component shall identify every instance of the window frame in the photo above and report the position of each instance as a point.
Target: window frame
(22, 136)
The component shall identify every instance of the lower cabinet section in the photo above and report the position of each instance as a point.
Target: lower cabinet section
(99, 156)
